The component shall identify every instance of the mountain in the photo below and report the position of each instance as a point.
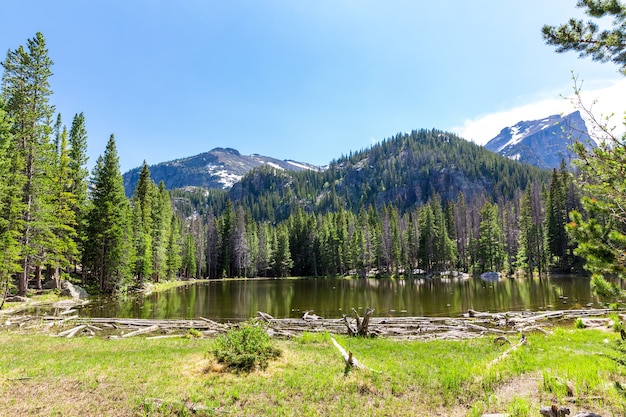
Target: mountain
(406, 170)
(543, 143)
(219, 168)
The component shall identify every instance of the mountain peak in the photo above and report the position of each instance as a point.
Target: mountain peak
(226, 150)
(544, 142)
(219, 168)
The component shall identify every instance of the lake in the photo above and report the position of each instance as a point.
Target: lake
(332, 297)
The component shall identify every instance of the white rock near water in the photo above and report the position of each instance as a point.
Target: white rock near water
(73, 290)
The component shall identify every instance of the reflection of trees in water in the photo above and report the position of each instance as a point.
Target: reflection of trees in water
(331, 297)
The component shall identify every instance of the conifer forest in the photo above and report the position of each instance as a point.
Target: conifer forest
(424, 202)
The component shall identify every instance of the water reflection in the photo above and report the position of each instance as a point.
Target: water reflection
(331, 297)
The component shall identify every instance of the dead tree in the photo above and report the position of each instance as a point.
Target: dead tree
(362, 325)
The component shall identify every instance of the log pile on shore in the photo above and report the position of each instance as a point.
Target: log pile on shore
(470, 325)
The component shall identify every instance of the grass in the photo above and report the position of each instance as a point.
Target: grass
(41, 375)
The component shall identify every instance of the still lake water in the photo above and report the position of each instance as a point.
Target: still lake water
(332, 297)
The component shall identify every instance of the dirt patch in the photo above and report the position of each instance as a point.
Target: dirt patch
(34, 397)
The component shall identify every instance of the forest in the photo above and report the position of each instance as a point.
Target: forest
(424, 202)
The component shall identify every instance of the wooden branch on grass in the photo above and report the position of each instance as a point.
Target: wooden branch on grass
(507, 352)
(348, 357)
(149, 329)
(72, 332)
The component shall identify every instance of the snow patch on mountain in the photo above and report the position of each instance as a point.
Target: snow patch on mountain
(543, 142)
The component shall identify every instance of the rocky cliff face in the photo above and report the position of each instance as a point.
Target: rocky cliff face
(543, 143)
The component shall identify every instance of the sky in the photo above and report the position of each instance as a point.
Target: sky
(307, 80)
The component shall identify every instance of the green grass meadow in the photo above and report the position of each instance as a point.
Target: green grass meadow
(49, 376)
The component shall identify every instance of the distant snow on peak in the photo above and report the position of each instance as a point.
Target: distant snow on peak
(219, 168)
(543, 142)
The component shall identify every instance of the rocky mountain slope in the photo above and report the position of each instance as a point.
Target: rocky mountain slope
(543, 143)
(219, 168)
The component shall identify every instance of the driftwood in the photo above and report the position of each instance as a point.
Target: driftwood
(71, 332)
(348, 357)
(361, 327)
(149, 329)
(264, 316)
(404, 328)
(310, 315)
(508, 351)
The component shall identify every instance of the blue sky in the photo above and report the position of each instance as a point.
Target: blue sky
(305, 80)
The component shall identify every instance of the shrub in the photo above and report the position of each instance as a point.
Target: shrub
(245, 348)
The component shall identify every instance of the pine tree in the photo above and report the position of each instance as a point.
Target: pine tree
(62, 244)
(557, 217)
(587, 38)
(599, 225)
(142, 224)
(226, 231)
(109, 250)
(189, 257)
(10, 205)
(281, 261)
(26, 89)
(161, 222)
(174, 259)
(79, 179)
(491, 251)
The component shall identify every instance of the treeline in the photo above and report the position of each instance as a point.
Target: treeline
(56, 221)
(474, 235)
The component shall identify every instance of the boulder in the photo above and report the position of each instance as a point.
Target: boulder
(491, 276)
(73, 290)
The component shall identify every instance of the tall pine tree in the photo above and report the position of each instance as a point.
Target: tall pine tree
(109, 252)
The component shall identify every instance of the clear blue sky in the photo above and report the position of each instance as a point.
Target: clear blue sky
(306, 80)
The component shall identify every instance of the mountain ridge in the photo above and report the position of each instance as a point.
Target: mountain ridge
(542, 142)
(218, 168)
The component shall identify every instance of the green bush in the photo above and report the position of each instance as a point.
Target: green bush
(245, 348)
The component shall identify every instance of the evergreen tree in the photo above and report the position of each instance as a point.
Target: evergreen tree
(142, 224)
(62, 245)
(79, 178)
(161, 223)
(10, 205)
(226, 231)
(601, 236)
(212, 246)
(587, 38)
(281, 260)
(109, 250)
(26, 89)
(189, 257)
(174, 260)
(264, 255)
(557, 216)
(490, 249)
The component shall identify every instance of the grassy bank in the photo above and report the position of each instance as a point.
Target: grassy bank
(41, 375)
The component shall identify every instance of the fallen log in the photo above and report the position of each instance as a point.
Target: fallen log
(141, 331)
(264, 316)
(72, 332)
(508, 351)
(348, 357)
